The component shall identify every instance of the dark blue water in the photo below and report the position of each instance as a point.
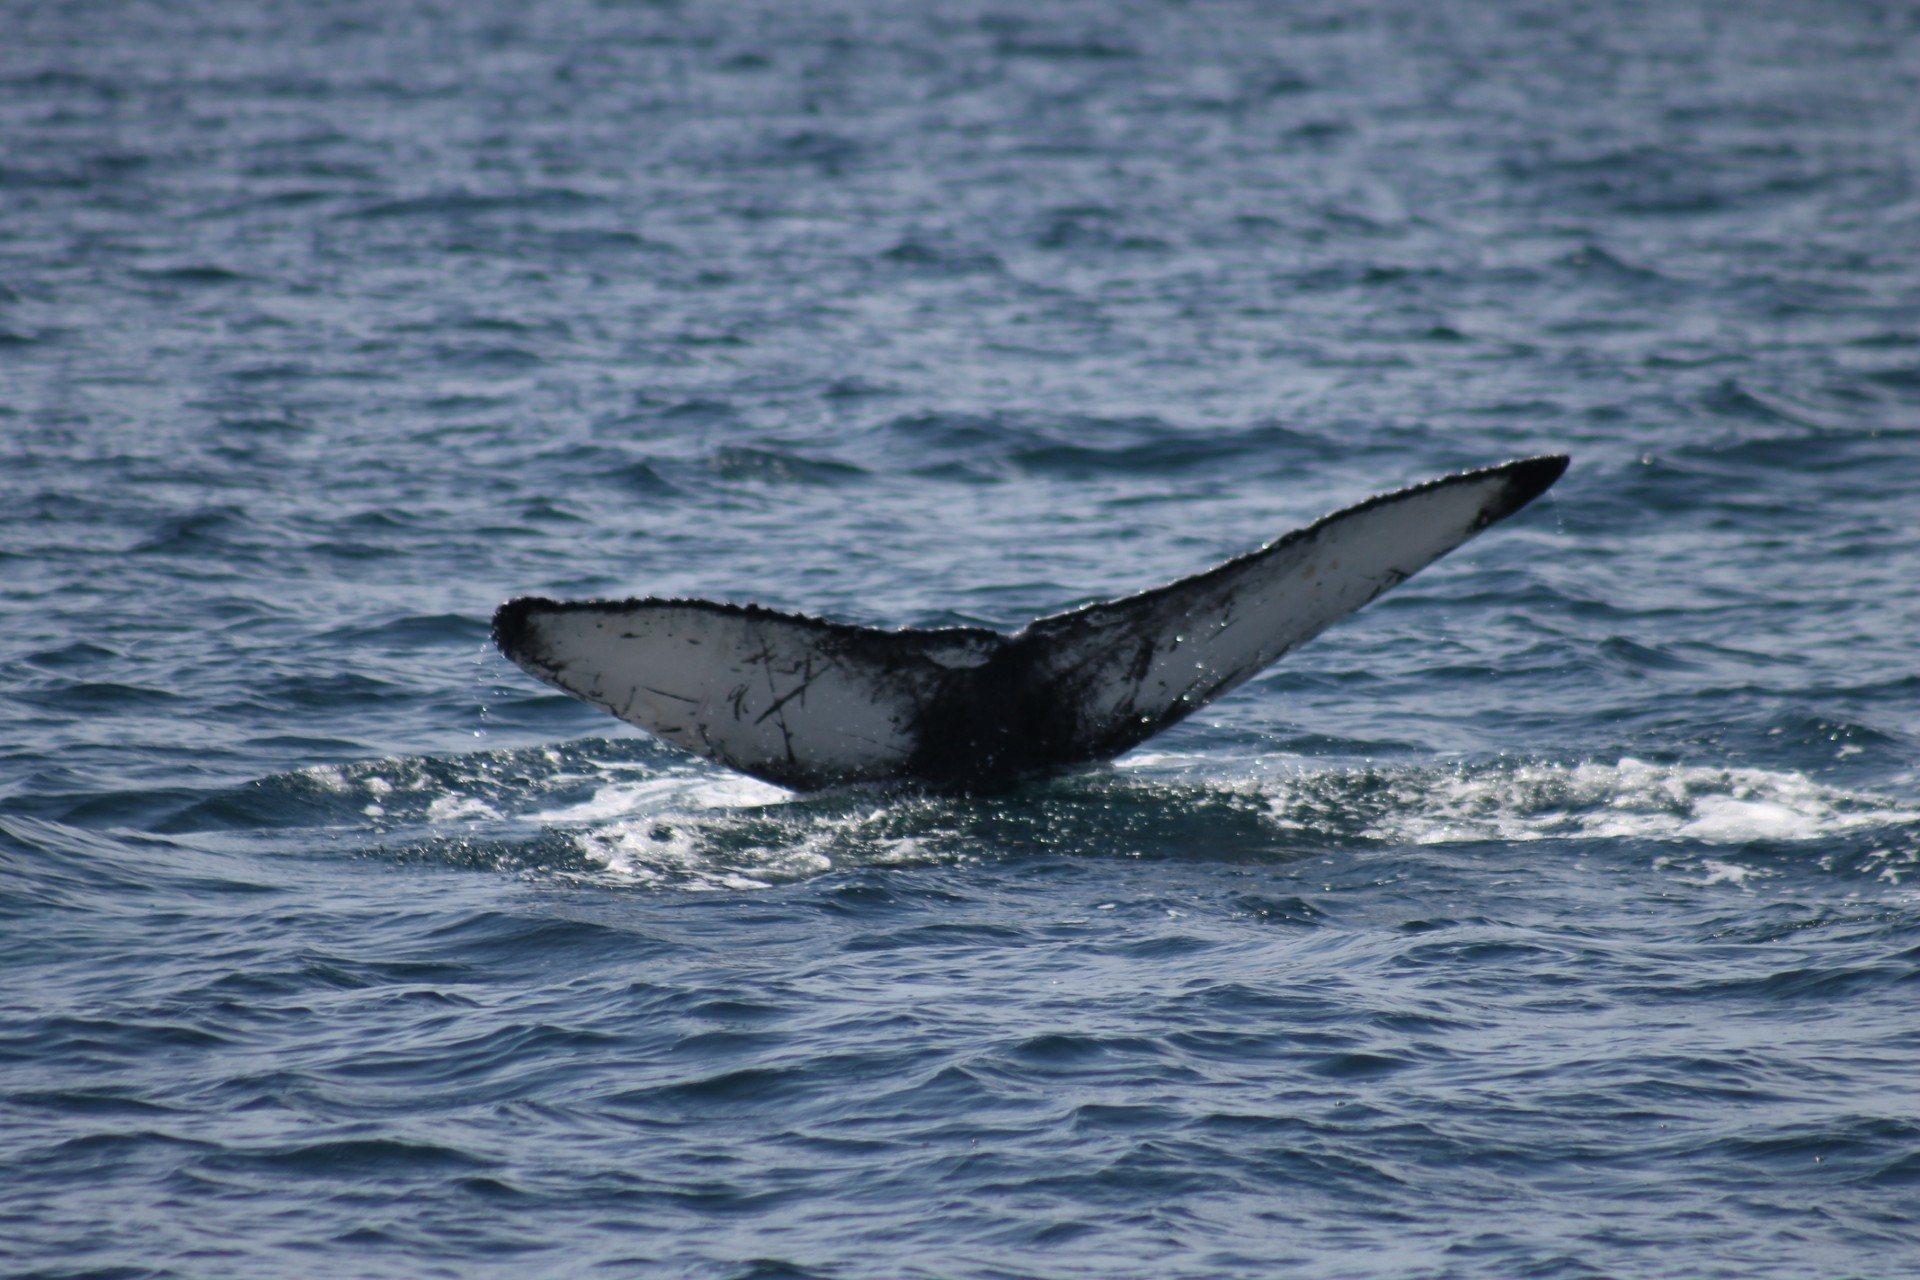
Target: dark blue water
(1555, 917)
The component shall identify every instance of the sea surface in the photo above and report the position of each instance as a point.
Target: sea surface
(1557, 916)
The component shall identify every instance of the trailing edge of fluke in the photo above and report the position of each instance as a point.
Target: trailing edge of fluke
(806, 703)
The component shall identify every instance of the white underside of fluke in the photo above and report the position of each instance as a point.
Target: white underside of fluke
(779, 697)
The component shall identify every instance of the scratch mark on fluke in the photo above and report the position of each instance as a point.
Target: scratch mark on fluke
(805, 702)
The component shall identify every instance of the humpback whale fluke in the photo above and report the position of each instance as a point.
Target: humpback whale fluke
(805, 702)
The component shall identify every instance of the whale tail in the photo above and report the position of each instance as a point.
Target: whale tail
(805, 702)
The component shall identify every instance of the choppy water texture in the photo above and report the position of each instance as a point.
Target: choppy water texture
(1555, 917)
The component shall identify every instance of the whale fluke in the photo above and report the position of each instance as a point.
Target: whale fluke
(806, 703)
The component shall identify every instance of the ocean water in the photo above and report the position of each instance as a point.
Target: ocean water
(1557, 916)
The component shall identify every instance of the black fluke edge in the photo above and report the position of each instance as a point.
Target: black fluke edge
(511, 626)
(1527, 479)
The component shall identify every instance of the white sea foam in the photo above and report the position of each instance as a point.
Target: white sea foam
(740, 847)
(459, 808)
(1628, 799)
(326, 777)
(675, 849)
(678, 790)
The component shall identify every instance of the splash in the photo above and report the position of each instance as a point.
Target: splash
(695, 830)
(604, 811)
(700, 832)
